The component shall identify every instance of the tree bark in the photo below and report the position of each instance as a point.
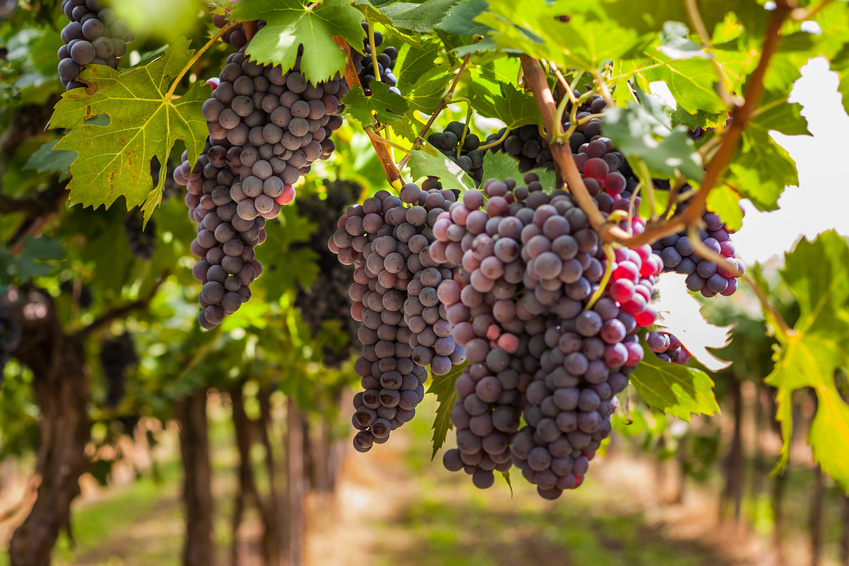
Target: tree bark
(199, 548)
(295, 477)
(60, 388)
(734, 465)
(247, 482)
(844, 540)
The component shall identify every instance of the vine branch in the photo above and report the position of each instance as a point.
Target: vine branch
(121, 312)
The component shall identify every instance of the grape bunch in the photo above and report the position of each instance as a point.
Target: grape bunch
(388, 244)
(10, 335)
(540, 337)
(117, 356)
(327, 300)
(266, 128)
(93, 36)
(142, 239)
(460, 145)
(364, 64)
(707, 277)
(667, 347)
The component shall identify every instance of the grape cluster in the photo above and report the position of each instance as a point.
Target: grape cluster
(142, 239)
(10, 335)
(117, 356)
(364, 64)
(540, 337)
(266, 127)
(708, 277)
(667, 347)
(460, 145)
(328, 299)
(388, 244)
(94, 35)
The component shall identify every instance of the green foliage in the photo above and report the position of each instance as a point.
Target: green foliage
(817, 273)
(145, 122)
(674, 389)
(442, 386)
(292, 24)
(388, 107)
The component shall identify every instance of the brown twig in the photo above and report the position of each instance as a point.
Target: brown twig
(446, 98)
(121, 312)
(38, 211)
(393, 175)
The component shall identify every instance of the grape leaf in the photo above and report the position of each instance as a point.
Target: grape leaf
(460, 18)
(645, 131)
(691, 82)
(145, 122)
(423, 164)
(418, 17)
(726, 203)
(290, 25)
(503, 166)
(505, 102)
(817, 274)
(443, 387)
(760, 169)
(536, 29)
(387, 106)
(674, 389)
(425, 80)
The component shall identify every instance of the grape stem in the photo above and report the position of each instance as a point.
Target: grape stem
(121, 312)
(781, 325)
(466, 125)
(38, 210)
(393, 175)
(373, 48)
(170, 94)
(446, 98)
(498, 141)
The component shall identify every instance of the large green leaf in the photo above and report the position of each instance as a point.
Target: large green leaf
(291, 24)
(387, 106)
(144, 122)
(460, 18)
(424, 79)
(817, 274)
(674, 389)
(505, 102)
(761, 169)
(420, 18)
(443, 387)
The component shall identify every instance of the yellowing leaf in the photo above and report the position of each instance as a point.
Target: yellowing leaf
(818, 276)
(144, 122)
